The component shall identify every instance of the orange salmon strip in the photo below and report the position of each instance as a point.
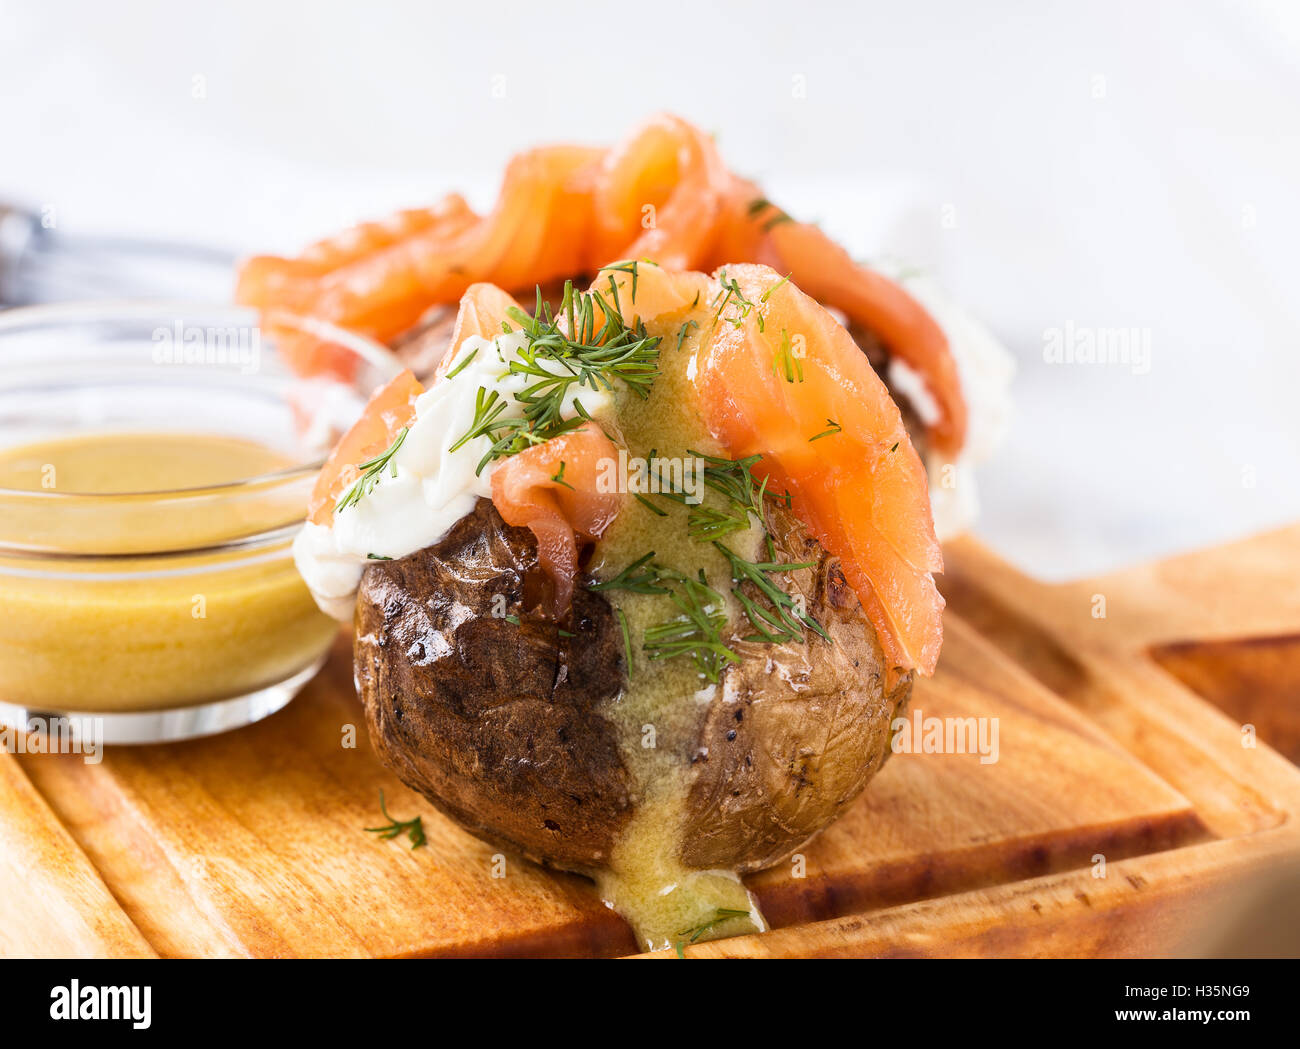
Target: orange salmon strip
(827, 272)
(658, 196)
(772, 389)
(551, 490)
(663, 194)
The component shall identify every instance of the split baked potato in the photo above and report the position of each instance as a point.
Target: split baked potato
(494, 711)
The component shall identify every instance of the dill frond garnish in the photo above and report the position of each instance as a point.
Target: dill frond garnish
(463, 364)
(730, 294)
(768, 294)
(783, 621)
(786, 363)
(759, 206)
(630, 266)
(657, 511)
(586, 345)
(834, 429)
(685, 329)
(708, 523)
(371, 472)
(697, 631)
(689, 936)
(640, 577)
(733, 479)
(414, 828)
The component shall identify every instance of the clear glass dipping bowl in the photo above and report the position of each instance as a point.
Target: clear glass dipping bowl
(163, 615)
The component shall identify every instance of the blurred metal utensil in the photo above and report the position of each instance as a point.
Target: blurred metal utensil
(40, 264)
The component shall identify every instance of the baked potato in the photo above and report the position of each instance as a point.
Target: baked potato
(662, 696)
(499, 719)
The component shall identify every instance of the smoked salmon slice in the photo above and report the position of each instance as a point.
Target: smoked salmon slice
(551, 489)
(658, 196)
(780, 377)
(663, 195)
(824, 270)
(381, 286)
(297, 286)
(483, 309)
(655, 293)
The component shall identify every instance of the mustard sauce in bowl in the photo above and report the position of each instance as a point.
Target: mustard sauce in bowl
(147, 513)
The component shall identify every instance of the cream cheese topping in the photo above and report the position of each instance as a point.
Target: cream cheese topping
(427, 486)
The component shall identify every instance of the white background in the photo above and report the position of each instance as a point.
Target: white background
(1105, 164)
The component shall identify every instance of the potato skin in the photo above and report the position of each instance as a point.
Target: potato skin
(795, 730)
(499, 724)
(495, 722)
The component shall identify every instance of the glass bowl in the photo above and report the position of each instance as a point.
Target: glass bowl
(155, 615)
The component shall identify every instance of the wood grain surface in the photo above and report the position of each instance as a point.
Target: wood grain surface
(1120, 750)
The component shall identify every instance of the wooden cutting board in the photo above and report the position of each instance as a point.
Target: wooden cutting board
(1122, 807)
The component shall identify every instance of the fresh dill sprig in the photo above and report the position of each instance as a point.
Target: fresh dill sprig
(510, 435)
(488, 405)
(685, 329)
(731, 293)
(587, 345)
(657, 511)
(696, 631)
(784, 621)
(768, 294)
(558, 477)
(462, 365)
(787, 363)
(733, 479)
(834, 429)
(709, 523)
(371, 472)
(689, 936)
(640, 577)
(630, 266)
(414, 828)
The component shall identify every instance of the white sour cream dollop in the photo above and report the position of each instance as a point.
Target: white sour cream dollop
(426, 487)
